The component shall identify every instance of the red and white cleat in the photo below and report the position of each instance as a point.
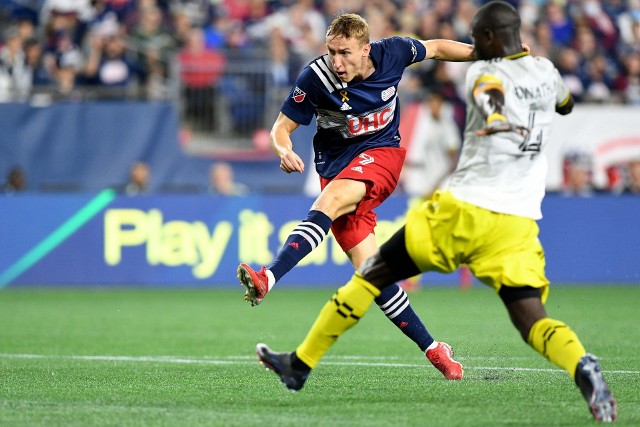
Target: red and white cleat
(442, 358)
(256, 283)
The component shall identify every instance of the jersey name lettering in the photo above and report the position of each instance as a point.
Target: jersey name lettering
(534, 93)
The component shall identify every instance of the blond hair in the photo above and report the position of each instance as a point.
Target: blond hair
(349, 25)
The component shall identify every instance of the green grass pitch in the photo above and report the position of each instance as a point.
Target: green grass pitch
(118, 357)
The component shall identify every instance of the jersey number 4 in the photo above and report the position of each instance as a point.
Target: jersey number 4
(533, 140)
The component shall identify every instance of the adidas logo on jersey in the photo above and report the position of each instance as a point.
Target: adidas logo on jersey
(345, 107)
(357, 169)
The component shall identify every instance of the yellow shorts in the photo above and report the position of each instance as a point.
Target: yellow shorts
(500, 249)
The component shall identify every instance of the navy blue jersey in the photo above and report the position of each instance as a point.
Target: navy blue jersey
(352, 118)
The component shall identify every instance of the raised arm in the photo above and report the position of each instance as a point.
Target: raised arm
(449, 50)
(280, 138)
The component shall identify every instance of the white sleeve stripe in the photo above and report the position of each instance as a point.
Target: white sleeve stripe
(324, 63)
(399, 310)
(307, 237)
(326, 70)
(313, 227)
(395, 306)
(318, 237)
(398, 296)
(323, 78)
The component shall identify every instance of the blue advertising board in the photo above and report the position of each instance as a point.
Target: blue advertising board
(198, 240)
(170, 240)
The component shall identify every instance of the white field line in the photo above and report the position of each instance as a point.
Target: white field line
(329, 360)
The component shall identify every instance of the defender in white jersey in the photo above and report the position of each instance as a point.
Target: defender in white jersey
(485, 218)
(505, 172)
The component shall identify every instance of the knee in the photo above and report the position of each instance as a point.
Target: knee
(375, 271)
(335, 202)
(331, 204)
(367, 268)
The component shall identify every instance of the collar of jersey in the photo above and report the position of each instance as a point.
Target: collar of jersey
(517, 55)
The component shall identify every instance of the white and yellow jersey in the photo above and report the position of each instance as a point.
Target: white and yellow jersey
(505, 172)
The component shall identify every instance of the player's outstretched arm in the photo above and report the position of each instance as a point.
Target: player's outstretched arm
(449, 50)
(280, 138)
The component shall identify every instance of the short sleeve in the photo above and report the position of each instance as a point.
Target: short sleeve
(300, 104)
(562, 92)
(407, 49)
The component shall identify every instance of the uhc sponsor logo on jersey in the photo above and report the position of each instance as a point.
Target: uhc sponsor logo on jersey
(351, 125)
(298, 95)
(373, 121)
(388, 93)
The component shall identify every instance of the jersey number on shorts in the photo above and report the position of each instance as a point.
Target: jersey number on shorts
(366, 159)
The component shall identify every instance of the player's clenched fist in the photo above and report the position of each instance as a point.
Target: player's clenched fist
(291, 162)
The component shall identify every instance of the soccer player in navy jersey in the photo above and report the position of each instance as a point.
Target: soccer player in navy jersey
(352, 91)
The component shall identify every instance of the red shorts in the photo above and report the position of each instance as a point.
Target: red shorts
(379, 169)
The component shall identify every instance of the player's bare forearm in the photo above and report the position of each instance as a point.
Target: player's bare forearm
(280, 139)
(280, 142)
(289, 160)
(449, 50)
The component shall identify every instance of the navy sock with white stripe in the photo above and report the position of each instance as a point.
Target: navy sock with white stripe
(303, 239)
(394, 303)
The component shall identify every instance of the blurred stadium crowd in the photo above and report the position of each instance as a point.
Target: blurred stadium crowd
(88, 49)
(228, 64)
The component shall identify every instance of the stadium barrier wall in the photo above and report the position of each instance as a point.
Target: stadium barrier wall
(198, 240)
(91, 145)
